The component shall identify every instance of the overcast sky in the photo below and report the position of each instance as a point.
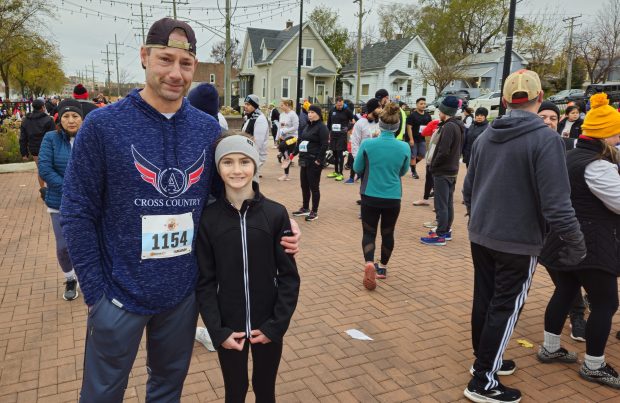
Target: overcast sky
(82, 38)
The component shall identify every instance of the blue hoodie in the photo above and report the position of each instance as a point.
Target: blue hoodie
(133, 193)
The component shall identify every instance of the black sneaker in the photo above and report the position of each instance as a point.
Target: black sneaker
(578, 329)
(605, 375)
(562, 355)
(43, 192)
(359, 202)
(312, 216)
(499, 394)
(508, 368)
(71, 292)
(301, 212)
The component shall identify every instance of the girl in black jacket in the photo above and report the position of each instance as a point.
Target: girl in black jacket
(248, 285)
(595, 196)
(570, 126)
(312, 146)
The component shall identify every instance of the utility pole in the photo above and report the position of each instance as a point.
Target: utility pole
(300, 58)
(107, 61)
(92, 62)
(227, 59)
(92, 88)
(142, 27)
(569, 68)
(508, 51)
(174, 6)
(118, 75)
(360, 15)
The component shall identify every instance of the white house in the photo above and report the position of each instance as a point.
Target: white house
(394, 65)
(269, 65)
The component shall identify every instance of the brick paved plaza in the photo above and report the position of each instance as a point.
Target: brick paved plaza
(418, 317)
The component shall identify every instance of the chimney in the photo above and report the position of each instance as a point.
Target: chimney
(399, 36)
(289, 25)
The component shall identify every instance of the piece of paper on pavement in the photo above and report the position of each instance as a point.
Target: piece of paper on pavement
(358, 335)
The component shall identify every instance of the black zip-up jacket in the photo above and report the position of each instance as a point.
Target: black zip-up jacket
(317, 136)
(32, 130)
(342, 117)
(575, 129)
(246, 280)
(474, 131)
(445, 161)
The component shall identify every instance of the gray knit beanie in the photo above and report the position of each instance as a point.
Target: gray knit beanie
(236, 144)
(393, 127)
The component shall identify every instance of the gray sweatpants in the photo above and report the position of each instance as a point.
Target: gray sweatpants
(112, 341)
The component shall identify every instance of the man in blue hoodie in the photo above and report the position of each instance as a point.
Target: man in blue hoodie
(133, 194)
(516, 184)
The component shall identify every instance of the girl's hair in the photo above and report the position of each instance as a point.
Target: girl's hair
(570, 109)
(390, 114)
(288, 102)
(469, 111)
(609, 152)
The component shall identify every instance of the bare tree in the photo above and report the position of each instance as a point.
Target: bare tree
(608, 22)
(440, 76)
(218, 53)
(589, 47)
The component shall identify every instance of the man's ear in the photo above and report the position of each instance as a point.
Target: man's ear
(143, 56)
(541, 96)
(504, 103)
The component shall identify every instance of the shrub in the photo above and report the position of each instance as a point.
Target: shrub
(9, 145)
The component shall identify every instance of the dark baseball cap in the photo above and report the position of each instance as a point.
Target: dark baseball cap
(159, 35)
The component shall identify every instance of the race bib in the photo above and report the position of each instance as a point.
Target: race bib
(165, 236)
(335, 127)
(422, 128)
(303, 146)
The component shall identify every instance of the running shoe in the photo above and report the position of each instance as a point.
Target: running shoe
(415, 175)
(312, 216)
(301, 212)
(447, 235)
(349, 181)
(508, 368)
(499, 394)
(433, 240)
(562, 355)
(578, 329)
(332, 175)
(370, 275)
(430, 224)
(284, 178)
(381, 271)
(421, 202)
(339, 178)
(71, 291)
(605, 375)
(358, 202)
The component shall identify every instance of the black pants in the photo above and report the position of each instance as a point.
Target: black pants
(501, 283)
(602, 289)
(428, 183)
(370, 222)
(310, 177)
(350, 161)
(274, 133)
(234, 364)
(286, 151)
(338, 161)
(444, 203)
(578, 307)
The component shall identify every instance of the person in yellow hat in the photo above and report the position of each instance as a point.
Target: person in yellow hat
(595, 196)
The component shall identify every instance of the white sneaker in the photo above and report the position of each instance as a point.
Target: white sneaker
(202, 336)
(284, 178)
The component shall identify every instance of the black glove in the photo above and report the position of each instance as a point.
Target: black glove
(574, 250)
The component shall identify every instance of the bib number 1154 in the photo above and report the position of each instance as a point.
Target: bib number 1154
(165, 236)
(169, 240)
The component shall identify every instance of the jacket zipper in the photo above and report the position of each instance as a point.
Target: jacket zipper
(246, 274)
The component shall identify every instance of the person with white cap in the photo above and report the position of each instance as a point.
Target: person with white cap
(248, 286)
(516, 185)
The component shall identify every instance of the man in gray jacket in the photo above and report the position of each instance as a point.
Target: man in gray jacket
(516, 184)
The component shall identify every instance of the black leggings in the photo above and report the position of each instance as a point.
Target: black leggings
(350, 161)
(310, 177)
(602, 289)
(338, 161)
(287, 151)
(428, 182)
(370, 222)
(234, 366)
(578, 307)
(274, 133)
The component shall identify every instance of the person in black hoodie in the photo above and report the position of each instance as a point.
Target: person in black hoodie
(32, 130)
(570, 126)
(248, 285)
(480, 124)
(516, 184)
(312, 146)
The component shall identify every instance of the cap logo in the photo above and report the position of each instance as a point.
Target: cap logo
(173, 43)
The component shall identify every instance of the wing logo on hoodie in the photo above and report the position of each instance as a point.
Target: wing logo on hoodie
(170, 182)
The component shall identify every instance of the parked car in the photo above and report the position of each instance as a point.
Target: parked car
(464, 95)
(612, 89)
(562, 96)
(490, 101)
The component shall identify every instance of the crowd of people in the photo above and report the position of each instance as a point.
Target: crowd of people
(188, 231)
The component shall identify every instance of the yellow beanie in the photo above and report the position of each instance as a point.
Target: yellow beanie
(603, 120)
(306, 105)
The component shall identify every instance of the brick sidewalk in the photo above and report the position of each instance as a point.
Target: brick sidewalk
(418, 317)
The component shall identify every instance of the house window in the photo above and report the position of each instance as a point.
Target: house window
(424, 88)
(410, 61)
(286, 87)
(306, 54)
(250, 62)
(365, 89)
(264, 87)
(415, 60)
(302, 85)
(409, 85)
(395, 87)
(212, 78)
